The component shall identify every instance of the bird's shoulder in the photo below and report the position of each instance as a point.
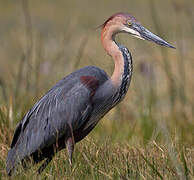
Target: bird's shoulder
(73, 90)
(90, 71)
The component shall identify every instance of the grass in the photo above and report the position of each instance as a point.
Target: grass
(150, 134)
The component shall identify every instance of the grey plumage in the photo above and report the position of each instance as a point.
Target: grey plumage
(73, 107)
(67, 102)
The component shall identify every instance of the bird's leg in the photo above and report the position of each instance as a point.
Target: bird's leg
(70, 148)
(70, 144)
(44, 165)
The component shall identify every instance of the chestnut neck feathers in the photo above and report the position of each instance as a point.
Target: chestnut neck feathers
(122, 59)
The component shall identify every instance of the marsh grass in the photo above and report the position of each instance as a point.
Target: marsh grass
(150, 134)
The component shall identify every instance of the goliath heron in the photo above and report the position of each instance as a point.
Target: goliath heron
(72, 108)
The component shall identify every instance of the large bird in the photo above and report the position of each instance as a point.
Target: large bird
(72, 108)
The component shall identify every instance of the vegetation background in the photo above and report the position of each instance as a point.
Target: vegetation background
(150, 135)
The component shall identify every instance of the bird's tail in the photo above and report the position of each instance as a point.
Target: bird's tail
(12, 161)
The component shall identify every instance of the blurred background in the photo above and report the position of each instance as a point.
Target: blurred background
(43, 41)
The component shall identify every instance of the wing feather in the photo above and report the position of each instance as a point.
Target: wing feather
(67, 102)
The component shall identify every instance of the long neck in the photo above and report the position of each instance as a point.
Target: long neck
(121, 56)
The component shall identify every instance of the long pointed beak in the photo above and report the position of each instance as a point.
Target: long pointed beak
(147, 35)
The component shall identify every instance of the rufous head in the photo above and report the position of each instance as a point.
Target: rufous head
(124, 22)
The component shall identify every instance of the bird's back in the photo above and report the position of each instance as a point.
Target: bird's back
(48, 118)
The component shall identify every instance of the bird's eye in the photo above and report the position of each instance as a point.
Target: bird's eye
(129, 23)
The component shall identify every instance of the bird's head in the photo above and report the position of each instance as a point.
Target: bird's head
(124, 22)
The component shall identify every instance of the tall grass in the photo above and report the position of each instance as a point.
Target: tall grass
(150, 134)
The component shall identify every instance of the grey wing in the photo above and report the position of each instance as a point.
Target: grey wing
(69, 101)
(50, 118)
